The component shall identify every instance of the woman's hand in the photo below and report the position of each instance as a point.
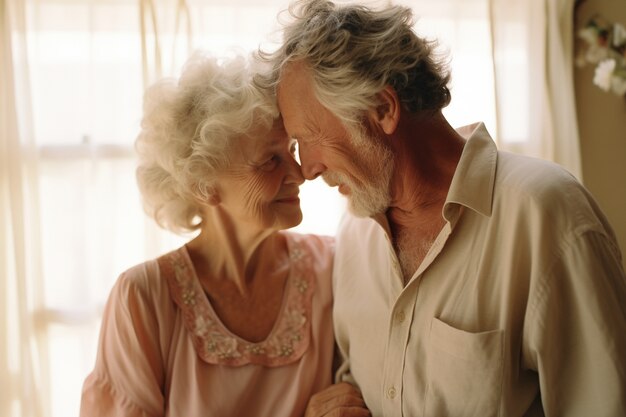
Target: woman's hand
(338, 400)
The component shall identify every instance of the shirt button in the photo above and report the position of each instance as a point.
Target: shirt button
(391, 393)
(400, 316)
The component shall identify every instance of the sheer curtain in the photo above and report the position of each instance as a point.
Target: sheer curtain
(534, 84)
(20, 272)
(462, 31)
(512, 68)
(72, 75)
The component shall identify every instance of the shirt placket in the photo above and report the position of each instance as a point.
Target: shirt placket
(399, 328)
(400, 322)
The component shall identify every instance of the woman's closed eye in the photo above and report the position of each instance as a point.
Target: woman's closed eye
(271, 163)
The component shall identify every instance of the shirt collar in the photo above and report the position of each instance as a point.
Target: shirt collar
(473, 181)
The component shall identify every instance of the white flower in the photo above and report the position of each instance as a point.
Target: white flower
(226, 346)
(596, 53)
(296, 318)
(619, 35)
(604, 73)
(202, 325)
(589, 35)
(618, 85)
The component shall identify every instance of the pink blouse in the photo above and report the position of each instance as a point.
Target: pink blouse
(163, 351)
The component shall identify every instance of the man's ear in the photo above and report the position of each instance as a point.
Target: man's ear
(386, 114)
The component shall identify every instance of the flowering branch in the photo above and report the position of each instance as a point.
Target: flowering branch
(604, 44)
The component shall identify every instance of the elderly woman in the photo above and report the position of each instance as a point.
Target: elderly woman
(237, 322)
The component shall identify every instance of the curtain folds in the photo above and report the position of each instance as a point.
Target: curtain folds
(19, 275)
(532, 45)
(560, 85)
(152, 16)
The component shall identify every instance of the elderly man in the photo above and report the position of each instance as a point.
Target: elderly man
(468, 281)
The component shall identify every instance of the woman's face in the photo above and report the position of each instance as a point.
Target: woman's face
(261, 185)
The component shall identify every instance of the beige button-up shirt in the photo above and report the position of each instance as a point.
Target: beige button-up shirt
(519, 308)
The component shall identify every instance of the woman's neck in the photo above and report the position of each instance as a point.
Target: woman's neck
(226, 250)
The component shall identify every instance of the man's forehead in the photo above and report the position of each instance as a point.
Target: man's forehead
(291, 97)
(295, 76)
(295, 67)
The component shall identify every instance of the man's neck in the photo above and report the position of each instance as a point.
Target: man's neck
(427, 152)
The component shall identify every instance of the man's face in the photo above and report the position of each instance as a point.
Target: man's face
(360, 166)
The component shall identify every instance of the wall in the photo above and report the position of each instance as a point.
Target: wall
(602, 125)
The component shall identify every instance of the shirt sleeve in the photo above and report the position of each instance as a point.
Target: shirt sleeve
(576, 330)
(128, 376)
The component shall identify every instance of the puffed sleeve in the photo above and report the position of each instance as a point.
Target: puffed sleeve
(577, 330)
(127, 379)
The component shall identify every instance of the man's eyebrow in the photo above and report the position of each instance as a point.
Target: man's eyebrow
(306, 133)
(300, 139)
(296, 135)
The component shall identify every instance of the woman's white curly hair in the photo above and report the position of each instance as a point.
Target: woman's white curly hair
(187, 128)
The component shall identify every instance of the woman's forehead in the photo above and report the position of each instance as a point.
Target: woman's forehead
(260, 141)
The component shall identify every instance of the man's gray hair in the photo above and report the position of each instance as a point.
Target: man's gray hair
(354, 52)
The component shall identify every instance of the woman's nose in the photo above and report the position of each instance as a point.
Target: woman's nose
(294, 174)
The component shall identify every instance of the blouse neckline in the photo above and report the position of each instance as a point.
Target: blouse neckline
(215, 343)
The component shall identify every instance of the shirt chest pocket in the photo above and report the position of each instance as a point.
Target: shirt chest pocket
(464, 372)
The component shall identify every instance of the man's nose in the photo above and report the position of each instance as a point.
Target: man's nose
(311, 166)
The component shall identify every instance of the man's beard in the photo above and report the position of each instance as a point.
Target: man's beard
(372, 195)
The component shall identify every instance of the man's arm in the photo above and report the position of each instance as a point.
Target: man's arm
(575, 329)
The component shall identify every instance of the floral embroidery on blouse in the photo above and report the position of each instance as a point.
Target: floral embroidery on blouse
(214, 343)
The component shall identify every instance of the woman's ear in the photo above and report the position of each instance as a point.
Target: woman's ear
(208, 195)
(386, 115)
(214, 197)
